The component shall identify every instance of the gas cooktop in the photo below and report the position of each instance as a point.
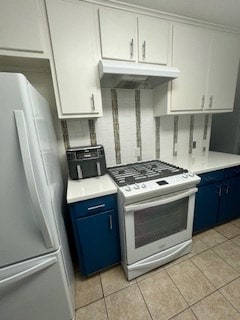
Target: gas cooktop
(143, 171)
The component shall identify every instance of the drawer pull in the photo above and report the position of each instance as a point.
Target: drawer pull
(96, 207)
(110, 222)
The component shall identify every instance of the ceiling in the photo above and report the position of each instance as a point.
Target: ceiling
(224, 12)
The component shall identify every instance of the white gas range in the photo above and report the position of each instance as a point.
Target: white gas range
(156, 208)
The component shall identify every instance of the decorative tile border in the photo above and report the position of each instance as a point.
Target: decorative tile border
(138, 123)
(116, 126)
(65, 133)
(92, 131)
(157, 137)
(175, 135)
(191, 134)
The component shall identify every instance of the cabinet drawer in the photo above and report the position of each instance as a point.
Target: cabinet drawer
(215, 176)
(93, 206)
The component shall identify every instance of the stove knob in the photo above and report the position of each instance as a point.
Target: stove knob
(191, 174)
(185, 175)
(143, 185)
(136, 186)
(127, 188)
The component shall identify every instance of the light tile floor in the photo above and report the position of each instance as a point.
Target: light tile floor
(203, 285)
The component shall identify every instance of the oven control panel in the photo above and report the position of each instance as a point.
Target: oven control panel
(161, 186)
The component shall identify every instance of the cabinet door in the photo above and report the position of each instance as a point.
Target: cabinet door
(206, 207)
(73, 35)
(20, 26)
(191, 47)
(230, 201)
(118, 34)
(153, 37)
(223, 70)
(98, 241)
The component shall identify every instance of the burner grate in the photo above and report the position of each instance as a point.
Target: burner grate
(142, 171)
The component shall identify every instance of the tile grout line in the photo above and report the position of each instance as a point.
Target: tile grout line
(144, 301)
(104, 296)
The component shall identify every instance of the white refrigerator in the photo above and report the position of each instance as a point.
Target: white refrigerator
(36, 276)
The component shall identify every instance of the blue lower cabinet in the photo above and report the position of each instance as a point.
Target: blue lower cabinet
(230, 200)
(218, 199)
(98, 241)
(206, 207)
(96, 233)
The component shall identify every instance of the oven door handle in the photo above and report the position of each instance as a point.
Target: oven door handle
(150, 204)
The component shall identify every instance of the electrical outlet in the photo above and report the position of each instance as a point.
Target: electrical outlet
(194, 144)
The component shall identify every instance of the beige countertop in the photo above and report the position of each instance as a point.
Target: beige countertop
(84, 189)
(210, 161)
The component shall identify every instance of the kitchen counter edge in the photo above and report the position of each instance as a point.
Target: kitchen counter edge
(84, 189)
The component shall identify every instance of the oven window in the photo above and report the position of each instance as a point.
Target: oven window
(155, 223)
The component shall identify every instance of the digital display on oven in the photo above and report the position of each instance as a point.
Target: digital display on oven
(162, 182)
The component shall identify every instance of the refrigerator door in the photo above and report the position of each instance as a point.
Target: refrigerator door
(35, 289)
(27, 227)
(54, 185)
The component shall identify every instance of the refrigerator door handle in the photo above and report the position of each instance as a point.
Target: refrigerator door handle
(28, 272)
(29, 173)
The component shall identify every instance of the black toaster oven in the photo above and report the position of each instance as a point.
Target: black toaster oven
(86, 162)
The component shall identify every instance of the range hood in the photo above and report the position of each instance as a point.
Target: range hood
(131, 75)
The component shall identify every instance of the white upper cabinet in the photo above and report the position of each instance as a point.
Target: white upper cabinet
(73, 29)
(191, 47)
(20, 26)
(223, 71)
(118, 34)
(208, 61)
(131, 37)
(153, 38)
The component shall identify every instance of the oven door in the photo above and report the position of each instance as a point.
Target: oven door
(156, 224)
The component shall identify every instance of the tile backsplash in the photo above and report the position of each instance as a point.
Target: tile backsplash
(129, 132)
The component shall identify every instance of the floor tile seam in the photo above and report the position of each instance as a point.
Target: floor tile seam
(234, 241)
(215, 244)
(88, 304)
(234, 268)
(105, 303)
(229, 282)
(109, 294)
(178, 288)
(214, 287)
(227, 236)
(188, 307)
(104, 296)
(228, 301)
(145, 301)
(210, 279)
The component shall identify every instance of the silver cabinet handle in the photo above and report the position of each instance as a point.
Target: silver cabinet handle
(203, 101)
(219, 191)
(96, 207)
(210, 101)
(93, 102)
(110, 222)
(131, 48)
(144, 49)
(226, 187)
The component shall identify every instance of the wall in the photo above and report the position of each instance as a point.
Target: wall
(129, 132)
